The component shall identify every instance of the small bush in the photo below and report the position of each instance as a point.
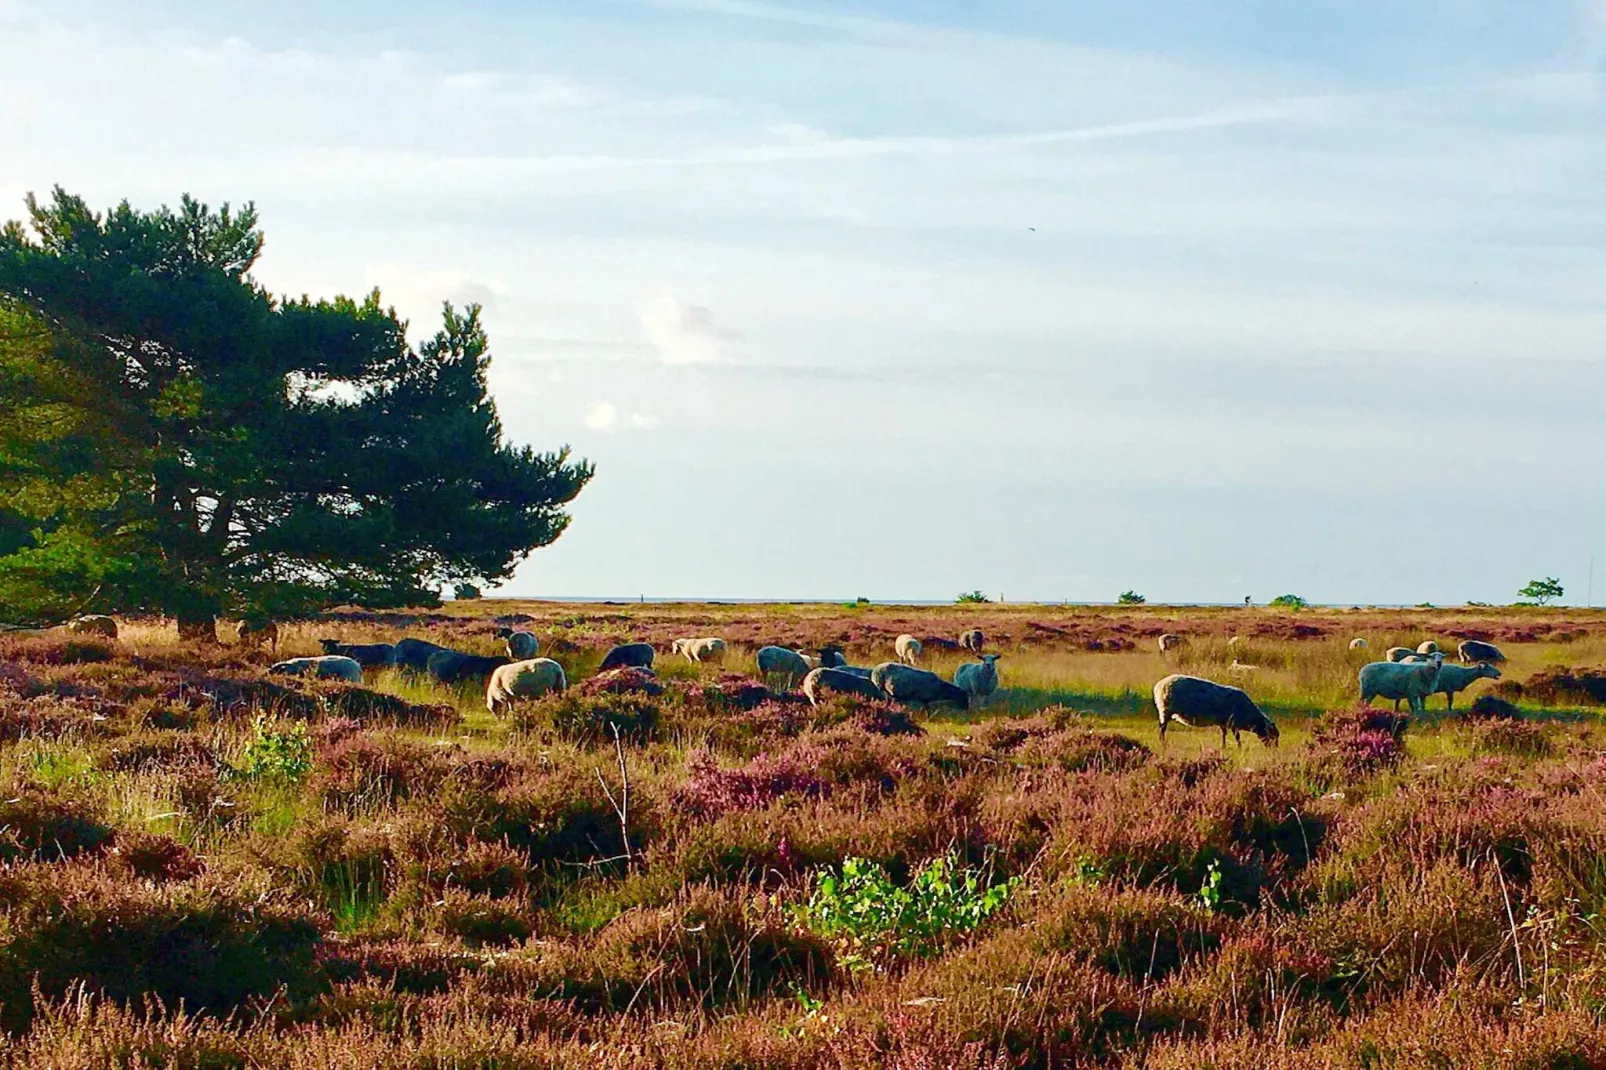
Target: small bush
(1130, 598)
(44, 827)
(277, 751)
(712, 791)
(972, 598)
(1289, 601)
(1357, 742)
(590, 720)
(156, 858)
(1510, 736)
(1492, 708)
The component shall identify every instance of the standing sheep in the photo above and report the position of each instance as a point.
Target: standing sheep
(1453, 678)
(823, 681)
(1471, 650)
(1428, 646)
(628, 656)
(328, 666)
(415, 653)
(368, 655)
(521, 646)
(453, 666)
(1196, 702)
(530, 678)
(1169, 642)
(831, 657)
(972, 640)
(1413, 682)
(916, 687)
(908, 648)
(779, 661)
(1358, 643)
(1398, 653)
(698, 650)
(979, 678)
(94, 624)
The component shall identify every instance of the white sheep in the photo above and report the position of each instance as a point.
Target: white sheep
(1453, 678)
(709, 648)
(779, 661)
(1169, 642)
(530, 678)
(908, 648)
(979, 678)
(94, 624)
(1197, 702)
(1428, 646)
(1241, 668)
(1358, 643)
(1236, 640)
(1398, 653)
(327, 666)
(1411, 681)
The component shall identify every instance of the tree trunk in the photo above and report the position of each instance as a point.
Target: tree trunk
(197, 629)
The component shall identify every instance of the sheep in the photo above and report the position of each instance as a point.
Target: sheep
(908, 648)
(979, 678)
(452, 666)
(822, 681)
(1358, 643)
(831, 657)
(695, 650)
(1169, 642)
(521, 646)
(1428, 646)
(1236, 640)
(1413, 682)
(1398, 653)
(1196, 702)
(1453, 678)
(253, 633)
(972, 640)
(530, 678)
(1471, 650)
(368, 655)
(779, 661)
(327, 666)
(912, 686)
(628, 656)
(808, 659)
(1241, 668)
(94, 624)
(415, 653)
(855, 670)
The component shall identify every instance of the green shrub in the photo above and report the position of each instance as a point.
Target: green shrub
(1130, 598)
(972, 598)
(1289, 601)
(277, 751)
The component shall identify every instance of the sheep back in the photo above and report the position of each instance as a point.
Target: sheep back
(530, 678)
(823, 681)
(628, 656)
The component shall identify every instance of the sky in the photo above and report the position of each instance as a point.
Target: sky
(1200, 298)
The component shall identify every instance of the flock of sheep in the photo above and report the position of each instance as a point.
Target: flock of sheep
(1407, 675)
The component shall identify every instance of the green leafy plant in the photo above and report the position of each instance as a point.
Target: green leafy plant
(869, 915)
(1542, 592)
(1130, 598)
(1211, 894)
(277, 752)
(466, 592)
(1289, 601)
(972, 597)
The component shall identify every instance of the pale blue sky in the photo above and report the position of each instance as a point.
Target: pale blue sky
(1315, 302)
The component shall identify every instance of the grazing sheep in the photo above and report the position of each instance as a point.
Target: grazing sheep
(1398, 653)
(973, 640)
(1413, 682)
(328, 666)
(779, 661)
(1358, 643)
(521, 646)
(530, 678)
(1236, 640)
(628, 656)
(452, 666)
(1169, 642)
(822, 681)
(707, 649)
(862, 673)
(1453, 678)
(908, 648)
(831, 657)
(1241, 668)
(1471, 650)
(1428, 646)
(253, 633)
(94, 624)
(368, 655)
(916, 687)
(1196, 702)
(979, 678)
(415, 653)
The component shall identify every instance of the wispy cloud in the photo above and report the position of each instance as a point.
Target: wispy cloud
(684, 334)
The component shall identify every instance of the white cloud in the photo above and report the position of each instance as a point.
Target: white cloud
(602, 416)
(684, 334)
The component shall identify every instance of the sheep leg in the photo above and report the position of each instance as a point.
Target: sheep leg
(1449, 701)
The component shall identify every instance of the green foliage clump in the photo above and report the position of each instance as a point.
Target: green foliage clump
(1542, 592)
(1130, 598)
(972, 597)
(863, 909)
(1289, 601)
(277, 751)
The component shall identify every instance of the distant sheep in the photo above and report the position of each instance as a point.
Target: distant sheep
(1471, 650)
(779, 661)
(452, 666)
(1412, 682)
(415, 653)
(521, 646)
(1196, 703)
(918, 687)
(368, 655)
(1358, 643)
(695, 650)
(823, 681)
(628, 656)
(979, 678)
(530, 678)
(908, 649)
(973, 640)
(1169, 642)
(1398, 653)
(254, 633)
(1453, 678)
(831, 657)
(94, 624)
(1428, 646)
(1236, 640)
(328, 666)
(1241, 668)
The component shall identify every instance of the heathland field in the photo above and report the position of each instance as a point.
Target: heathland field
(205, 866)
